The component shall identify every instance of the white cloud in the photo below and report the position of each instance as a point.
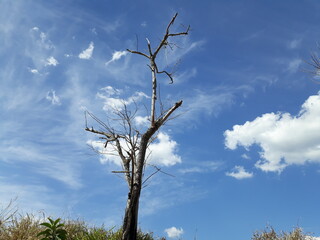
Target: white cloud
(87, 53)
(284, 139)
(174, 232)
(35, 29)
(239, 173)
(116, 56)
(245, 156)
(111, 91)
(51, 61)
(33, 70)
(112, 101)
(107, 154)
(161, 153)
(53, 98)
(142, 121)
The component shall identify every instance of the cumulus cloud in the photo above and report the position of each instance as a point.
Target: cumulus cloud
(162, 152)
(51, 61)
(239, 173)
(284, 139)
(112, 101)
(53, 98)
(87, 53)
(116, 56)
(174, 232)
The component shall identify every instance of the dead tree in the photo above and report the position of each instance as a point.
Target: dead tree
(133, 156)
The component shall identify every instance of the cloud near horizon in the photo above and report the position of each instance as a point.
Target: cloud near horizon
(174, 232)
(284, 139)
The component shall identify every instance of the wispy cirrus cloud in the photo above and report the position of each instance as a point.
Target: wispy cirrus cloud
(28, 197)
(212, 102)
(43, 163)
(293, 65)
(202, 167)
(113, 101)
(116, 56)
(295, 43)
(53, 98)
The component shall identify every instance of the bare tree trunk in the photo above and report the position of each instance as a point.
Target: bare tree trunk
(132, 136)
(130, 222)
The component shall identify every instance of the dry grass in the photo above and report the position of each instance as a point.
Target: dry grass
(14, 226)
(270, 234)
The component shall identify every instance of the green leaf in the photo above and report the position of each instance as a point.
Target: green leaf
(48, 225)
(60, 225)
(56, 221)
(51, 221)
(45, 232)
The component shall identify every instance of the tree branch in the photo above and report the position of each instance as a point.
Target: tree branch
(164, 118)
(140, 53)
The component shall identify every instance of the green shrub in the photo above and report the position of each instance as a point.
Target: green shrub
(54, 230)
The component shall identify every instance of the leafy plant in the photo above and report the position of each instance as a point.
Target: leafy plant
(54, 230)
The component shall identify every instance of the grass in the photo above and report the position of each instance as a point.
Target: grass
(270, 234)
(28, 227)
(14, 226)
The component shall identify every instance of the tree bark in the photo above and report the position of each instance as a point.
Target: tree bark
(130, 221)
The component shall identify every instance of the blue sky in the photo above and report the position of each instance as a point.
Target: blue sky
(245, 151)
